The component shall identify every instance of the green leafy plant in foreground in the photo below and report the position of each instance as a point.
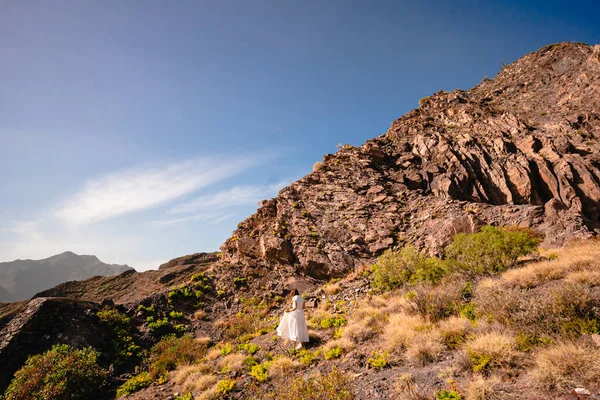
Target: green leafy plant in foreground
(334, 352)
(451, 393)
(249, 348)
(379, 360)
(60, 373)
(260, 372)
(225, 386)
(134, 384)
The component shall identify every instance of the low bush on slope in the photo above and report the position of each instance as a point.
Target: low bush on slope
(60, 373)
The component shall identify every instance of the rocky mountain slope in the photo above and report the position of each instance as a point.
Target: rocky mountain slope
(520, 149)
(21, 279)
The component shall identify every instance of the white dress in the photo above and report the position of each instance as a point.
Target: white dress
(293, 325)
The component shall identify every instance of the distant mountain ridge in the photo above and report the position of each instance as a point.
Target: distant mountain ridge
(21, 279)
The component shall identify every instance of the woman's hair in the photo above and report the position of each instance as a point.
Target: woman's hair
(295, 293)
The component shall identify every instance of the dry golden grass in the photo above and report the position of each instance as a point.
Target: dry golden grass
(210, 393)
(284, 366)
(435, 303)
(389, 303)
(199, 382)
(483, 388)
(213, 354)
(563, 308)
(181, 374)
(332, 288)
(575, 257)
(492, 350)
(358, 331)
(405, 388)
(364, 323)
(343, 342)
(233, 362)
(425, 347)
(455, 331)
(371, 316)
(200, 314)
(567, 365)
(400, 330)
(586, 277)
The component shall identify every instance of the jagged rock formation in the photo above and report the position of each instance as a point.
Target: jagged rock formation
(21, 279)
(520, 149)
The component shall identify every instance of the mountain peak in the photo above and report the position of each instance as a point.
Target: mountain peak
(22, 279)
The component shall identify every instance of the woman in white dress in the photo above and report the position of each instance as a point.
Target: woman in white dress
(293, 325)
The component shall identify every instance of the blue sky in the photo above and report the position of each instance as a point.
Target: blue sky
(140, 131)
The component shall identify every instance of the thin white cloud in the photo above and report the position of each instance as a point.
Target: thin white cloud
(141, 188)
(236, 196)
(213, 218)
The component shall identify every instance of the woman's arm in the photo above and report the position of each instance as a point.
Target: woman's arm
(303, 305)
(294, 306)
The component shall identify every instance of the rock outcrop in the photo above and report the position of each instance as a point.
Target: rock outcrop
(520, 149)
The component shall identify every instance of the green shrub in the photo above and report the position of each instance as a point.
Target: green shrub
(134, 384)
(306, 357)
(225, 386)
(445, 394)
(226, 349)
(379, 360)
(159, 326)
(146, 310)
(249, 348)
(334, 352)
(122, 343)
(60, 373)
(491, 250)
(526, 342)
(260, 372)
(201, 283)
(451, 393)
(187, 396)
(329, 321)
(250, 361)
(176, 315)
(239, 281)
(394, 269)
(172, 351)
(181, 292)
(468, 311)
